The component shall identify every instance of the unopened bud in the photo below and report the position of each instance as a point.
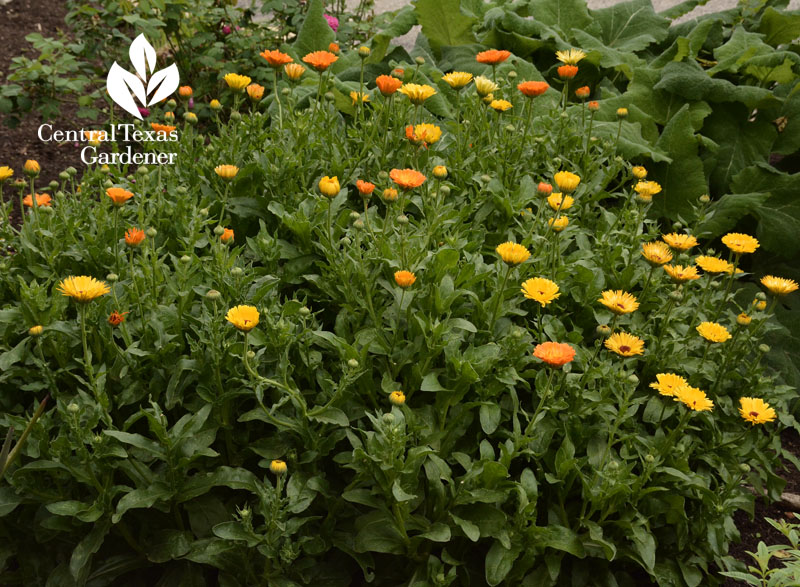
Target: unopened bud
(304, 311)
(603, 330)
(354, 215)
(352, 363)
(112, 277)
(420, 60)
(213, 294)
(235, 115)
(764, 348)
(142, 170)
(704, 199)
(219, 230)
(73, 408)
(402, 219)
(151, 232)
(237, 271)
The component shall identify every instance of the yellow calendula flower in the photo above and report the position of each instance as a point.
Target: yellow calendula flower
(743, 319)
(694, 399)
(540, 289)
(484, 86)
(83, 288)
(5, 173)
(668, 383)
(440, 171)
(647, 189)
(639, 172)
(417, 93)
(618, 301)
(713, 264)
(423, 133)
(244, 318)
(226, 171)
(500, 105)
(624, 344)
(237, 82)
(277, 467)
(779, 286)
(713, 332)
(36, 330)
(329, 186)
(558, 224)
(32, 167)
(512, 253)
(567, 181)
(560, 203)
(679, 241)
(571, 57)
(656, 253)
(681, 274)
(760, 304)
(756, 411)
(397, 398)
(740, 243)
(357, 97)
(457, 79)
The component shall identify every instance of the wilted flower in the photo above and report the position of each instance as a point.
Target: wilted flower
(116, 318)
(713, 332)
(244, 318)
(540, 289)
(83, 288)
(512, 253)
(554, 354)
(359, 97)
(624, 344)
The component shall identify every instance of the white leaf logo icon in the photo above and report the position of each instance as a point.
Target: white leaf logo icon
(123, 86)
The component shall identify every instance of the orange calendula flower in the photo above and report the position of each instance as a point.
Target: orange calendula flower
(116, 318)
(226, 171)
(544, 189)
(95, 137)
(554, 354)
(404, 278)
(41, 200)
(492, 56)
(255, 91)
(668, 383)
(243, 317)
(276, 59)
(681, 274)
(713, 332)
(424, 134)
(294, 71)
(320, 60)
(533, 89)
(567, 71)
(583, 92)
(417, 93)
(227, 235)
(779, 286)
(593, 106)
(540, 289)
(118, 195)
(388, 85)
(334, 48)
(740, 243)
(31, 167)
(185, 91)
(680, 242)
(512, 253)
(365, 188)
(237, 82)
(713, 264)
(618, 301)
(162, 129)
(756, 411)
(624, 344)
(83, 288)
(134, 237)
(656, 253)
(407, 179)
(559, 202)
(694, 399)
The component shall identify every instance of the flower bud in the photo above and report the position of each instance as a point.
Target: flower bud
(744, 468)
(171, 104)
(763, 348)
(510, 128)
(650, 458)
(219, 230)
(53, 184)
(345, 241)
(603, 330)
(73, 408)
(622, 113)
(63, 176)
(704, 199)
(420, 60)
(186, 259)
(444, 190)
(761, 296)
(388, 418)
(486, 178)
(35, 330)
(143, 170)
(31, 168)
(383, 176)
(215, 105)
(352, 363)
(151, 232)
(364, 51)
(743, 319)
(512, 75)
(358, 224)
(277, 467)
(108, 184)
(354, 215)
(190, 117)
(286, 91)
(304, 311)
(676, 226)
(251, 354)
(676, 295)
(235, 115)
(72, 171)
(329, 96)
(203, 211)
(402, 219)
(213, 294)
(633, 379)
(237, 271)
(440, 172)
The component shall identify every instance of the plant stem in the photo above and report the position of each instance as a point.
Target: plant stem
(499, 298)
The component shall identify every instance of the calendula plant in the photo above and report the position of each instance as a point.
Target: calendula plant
(438, 333)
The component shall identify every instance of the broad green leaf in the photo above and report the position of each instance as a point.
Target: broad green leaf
(682, 181)
(564, 14)
(438, 532)
(682, 8)
(645, 545)
(690, 81)
(724, 213)
(470, 530)
(79, 563)
(331, 415)
(490, 417)
(379, 535)
(168, 545)
(558, 537)
(629, 26)
(315, 34)
(15, 355)
(443, 23)
(737, 51)
(499, 562)
(401, 23)
(9, 500)
(779, 27)
(141, 498)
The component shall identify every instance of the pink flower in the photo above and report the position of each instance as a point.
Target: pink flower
(144, 112)
(226, 29)
(333, 21)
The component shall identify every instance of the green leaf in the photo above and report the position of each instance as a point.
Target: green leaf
(14, 355)
(682, 181)
(558, 537)
(690, 81)
(490, 417)
(9, 500)
(141, 498)
(331, 415)
(726, 212)
(138, 441)
(629, 26)
(564, 14)
(399, 493)
(379, 535)
(438, 532)
(737, 51)
(315, 34)
(431, 383)
(443, 23)
(499, 562)
(779, 27)
(645, 545)
(80, 561)
(168, 545)
(470, 530)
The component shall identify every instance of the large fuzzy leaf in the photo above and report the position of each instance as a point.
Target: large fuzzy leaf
(443, 23)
